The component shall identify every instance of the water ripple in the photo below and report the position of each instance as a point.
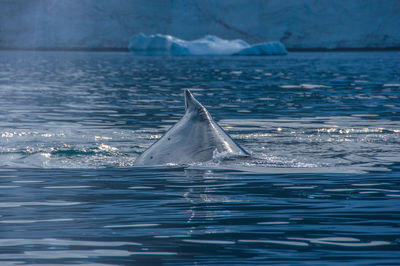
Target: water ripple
(321, 186)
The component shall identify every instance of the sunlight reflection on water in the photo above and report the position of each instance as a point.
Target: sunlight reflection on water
(321, 186)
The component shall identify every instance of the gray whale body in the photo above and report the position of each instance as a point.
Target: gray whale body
(196, 137)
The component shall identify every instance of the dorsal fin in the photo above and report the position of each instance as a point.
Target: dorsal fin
(194, 138)
(191, 104)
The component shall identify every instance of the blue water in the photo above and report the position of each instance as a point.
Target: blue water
(322, 185)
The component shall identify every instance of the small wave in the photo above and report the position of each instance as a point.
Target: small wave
(273, 223)
(35, 221)
(34, 203)
(66, 187)
(130, 225)
(5, 242)
(391, 85)
(279, 242)
(213, 242)
(343, 241)
(304, 86)
(67, 150)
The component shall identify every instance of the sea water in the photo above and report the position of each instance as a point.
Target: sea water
(322, 185)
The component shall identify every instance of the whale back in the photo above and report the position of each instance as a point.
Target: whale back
(196, 137)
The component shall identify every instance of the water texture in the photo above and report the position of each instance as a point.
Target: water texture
(322, 185)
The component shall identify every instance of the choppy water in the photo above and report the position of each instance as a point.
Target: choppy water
(322, 186)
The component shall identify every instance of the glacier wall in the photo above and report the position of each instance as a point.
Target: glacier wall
(109, 24)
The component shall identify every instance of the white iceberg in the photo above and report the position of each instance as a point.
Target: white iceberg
(159, 44)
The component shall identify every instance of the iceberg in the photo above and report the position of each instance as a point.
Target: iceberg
(159, 44)
(266, 48)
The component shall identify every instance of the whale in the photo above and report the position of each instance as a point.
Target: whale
(195, 138)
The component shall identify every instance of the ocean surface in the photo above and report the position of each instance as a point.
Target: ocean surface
(322, 186)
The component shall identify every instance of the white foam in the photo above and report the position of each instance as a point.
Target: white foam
(218, 156)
